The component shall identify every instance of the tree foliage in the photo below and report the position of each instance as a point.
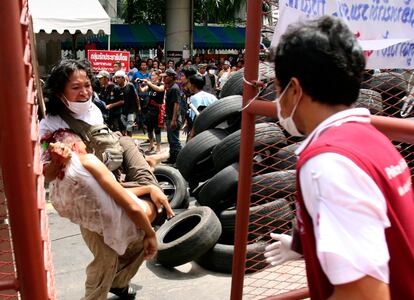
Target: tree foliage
(205, 11)
(144, 11)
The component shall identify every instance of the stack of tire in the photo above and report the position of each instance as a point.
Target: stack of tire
(209, 162)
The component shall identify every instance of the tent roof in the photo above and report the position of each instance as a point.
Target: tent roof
(71, 15)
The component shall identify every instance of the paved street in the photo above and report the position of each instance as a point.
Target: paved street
(71, 256)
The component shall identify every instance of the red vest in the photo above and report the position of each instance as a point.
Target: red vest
(375, 154)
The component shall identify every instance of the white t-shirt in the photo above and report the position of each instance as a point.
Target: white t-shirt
(52, 123)
(348, 211)
(80, 198)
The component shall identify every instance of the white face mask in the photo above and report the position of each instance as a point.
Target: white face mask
(78, 108)
(287, 123)
(212, 71)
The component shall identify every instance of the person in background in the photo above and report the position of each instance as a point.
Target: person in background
(117, 66)
(198, 101)
(111, 95)
(156, 109)
(354, 200)
(155, 65)
(131, 107)
(224, 75)
(150, 62)
(170, 64)
(209, 82)
(132, 70)
(162, 67)
(143, 97)
(173, 119)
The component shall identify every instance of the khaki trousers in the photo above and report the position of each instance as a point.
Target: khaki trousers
(108, 268)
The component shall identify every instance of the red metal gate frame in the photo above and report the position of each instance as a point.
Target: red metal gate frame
(396, 129)
(16, 156)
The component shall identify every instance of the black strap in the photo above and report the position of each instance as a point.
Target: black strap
(78, 126)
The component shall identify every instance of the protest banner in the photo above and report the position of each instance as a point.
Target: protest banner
(104, 60)
(384, 28)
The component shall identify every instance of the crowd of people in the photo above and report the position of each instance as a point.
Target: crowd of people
(153, 95)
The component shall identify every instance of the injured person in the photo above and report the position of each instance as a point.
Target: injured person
(114, 222)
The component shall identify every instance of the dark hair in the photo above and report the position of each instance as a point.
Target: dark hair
(197, 80)
(189, 71)
(325, 57)
(178, 63)
(118, 63)
(59, 76)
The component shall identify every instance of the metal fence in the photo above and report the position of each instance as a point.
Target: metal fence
(266, 191)
(26, 270)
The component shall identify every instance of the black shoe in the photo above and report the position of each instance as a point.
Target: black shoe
(126, 293)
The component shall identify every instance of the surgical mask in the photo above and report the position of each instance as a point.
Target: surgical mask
(287, 123)
(78, 108)
(212, 71)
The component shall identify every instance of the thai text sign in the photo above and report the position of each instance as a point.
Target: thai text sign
(384, 28)
(104, 60)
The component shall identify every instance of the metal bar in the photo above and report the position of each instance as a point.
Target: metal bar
(396, 129)
(9, 284)
(253, 26)
(16, 159)
(401, 130)
(291, 295)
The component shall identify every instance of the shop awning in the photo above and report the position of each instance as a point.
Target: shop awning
(215, 37)
(149, 36)
(71, 15)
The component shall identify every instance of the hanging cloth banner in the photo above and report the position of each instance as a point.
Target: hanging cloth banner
(384, 28)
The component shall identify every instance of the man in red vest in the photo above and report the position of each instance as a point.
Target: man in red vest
(355, 199)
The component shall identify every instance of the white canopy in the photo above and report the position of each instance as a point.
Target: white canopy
(71, 15)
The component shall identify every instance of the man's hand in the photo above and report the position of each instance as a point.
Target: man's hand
(150, 246)
(279, 252)
(173, 124)
(161, 201)
(109, 106)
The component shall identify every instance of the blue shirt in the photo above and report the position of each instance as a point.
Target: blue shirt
(200, 99)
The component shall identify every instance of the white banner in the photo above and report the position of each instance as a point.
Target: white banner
(385, 28)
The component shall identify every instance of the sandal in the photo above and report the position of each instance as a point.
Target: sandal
(126, 293)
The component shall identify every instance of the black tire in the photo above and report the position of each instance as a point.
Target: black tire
(279, 184)
(228, 151)
(234, 86)
(371, 100)
(220, 258)
(220, 191)
(193, 160)
(173, 185)
(286, 158)
(225, 112)
(393, 87)
(275, 216)
(187, 236)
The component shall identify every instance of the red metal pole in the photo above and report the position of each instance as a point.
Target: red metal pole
(16, 157)
(253, 27)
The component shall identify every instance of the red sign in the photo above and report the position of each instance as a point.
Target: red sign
(104, 60)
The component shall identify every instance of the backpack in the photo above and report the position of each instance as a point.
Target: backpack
(99, 140)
